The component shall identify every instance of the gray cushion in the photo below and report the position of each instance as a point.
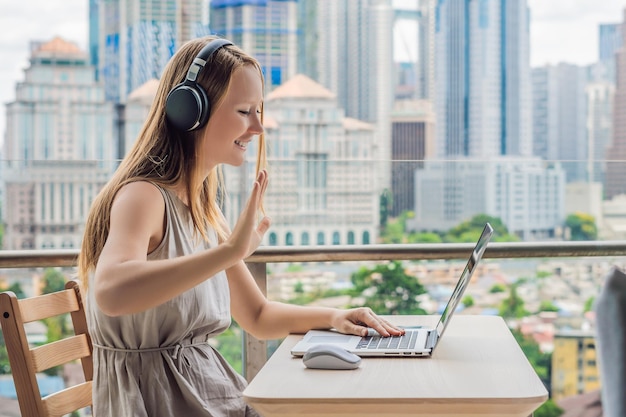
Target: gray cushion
(611, 341)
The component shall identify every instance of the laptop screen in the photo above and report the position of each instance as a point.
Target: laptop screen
(464, 280)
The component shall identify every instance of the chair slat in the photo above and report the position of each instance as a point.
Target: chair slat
(79, 321)
(27, 361)
(68, 400)
(16, 343)
(60, 352)
(48, 305)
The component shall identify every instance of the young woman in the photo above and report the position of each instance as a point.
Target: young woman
(162, 271)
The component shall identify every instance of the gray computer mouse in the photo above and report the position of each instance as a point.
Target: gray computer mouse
(327, 356)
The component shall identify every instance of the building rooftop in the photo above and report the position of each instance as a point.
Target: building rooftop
(57, 46)
(145, 92)
(300, 86)
(583, 405)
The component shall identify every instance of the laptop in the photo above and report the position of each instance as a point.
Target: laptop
(416, 341)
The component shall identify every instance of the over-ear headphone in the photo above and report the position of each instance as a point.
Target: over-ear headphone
(187, 106)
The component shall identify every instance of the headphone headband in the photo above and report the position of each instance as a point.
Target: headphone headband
(187, 106)
(203, 56)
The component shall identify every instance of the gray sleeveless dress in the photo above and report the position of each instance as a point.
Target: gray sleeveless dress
(158, 363)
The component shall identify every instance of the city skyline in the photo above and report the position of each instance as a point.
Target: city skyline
(568, 33)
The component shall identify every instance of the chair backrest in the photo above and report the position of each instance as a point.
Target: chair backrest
(27, 361)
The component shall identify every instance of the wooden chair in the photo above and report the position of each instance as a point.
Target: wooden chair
(26, 361)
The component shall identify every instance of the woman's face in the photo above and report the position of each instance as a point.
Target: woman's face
(235, 121)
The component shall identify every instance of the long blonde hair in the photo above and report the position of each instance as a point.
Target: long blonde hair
(168, 157)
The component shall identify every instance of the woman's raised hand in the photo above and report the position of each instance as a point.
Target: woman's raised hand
(249, 231)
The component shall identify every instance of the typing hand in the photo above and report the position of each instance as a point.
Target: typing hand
(362, 321)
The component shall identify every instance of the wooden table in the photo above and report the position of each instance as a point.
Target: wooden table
(478, 369)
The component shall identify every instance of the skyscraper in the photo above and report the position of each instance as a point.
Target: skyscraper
(355, 61)
(412, 141)
(130, 41)
(609, 40)
(60, 148)
(266, 29)
(559, 117)
(616, 157)
(483, 78)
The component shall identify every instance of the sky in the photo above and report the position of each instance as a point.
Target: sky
(560, 31)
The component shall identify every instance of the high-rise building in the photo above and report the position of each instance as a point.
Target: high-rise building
(266, 29)
(60, 148)
(131, 41)
(600, 96)
(560, 117)
(616, 167)
(483, 90)
(412, 141)
(526, 194)
(422, 18)
(322, 189)
(355, 61)
(609, 40)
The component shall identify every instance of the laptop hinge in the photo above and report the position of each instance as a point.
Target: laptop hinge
(431, 339)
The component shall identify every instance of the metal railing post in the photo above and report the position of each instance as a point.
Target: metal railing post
(255, 350)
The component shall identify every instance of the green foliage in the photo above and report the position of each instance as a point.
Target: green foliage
(298, 288)
(386, 202)
(294, 268)
(498, 287)
(547, 305)
(424, 238)
(395, 231)
(541, 362)
(53, 280)
(513, 305)
(470, 230)
(58, 327)
(548, 409)
(543, 274)
(5, 368)
(582, 226)
(17, 289)
(468, 301)
(388, 289)
(230, 346)
(589, 304)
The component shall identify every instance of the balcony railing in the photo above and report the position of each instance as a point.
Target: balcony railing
(255, 351)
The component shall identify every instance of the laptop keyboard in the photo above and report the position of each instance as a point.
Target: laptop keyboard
(406, 341)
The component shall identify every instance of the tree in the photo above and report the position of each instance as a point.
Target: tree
(547, 305)
(17, 289)
(388, 289)
(582, 226)
(470, 230)
(230, 346)
(5, 367)
(497, 287)
(548, 409)
(540, 361)
(468, 301)
(513, 305)
(53, 280)
(386, 202)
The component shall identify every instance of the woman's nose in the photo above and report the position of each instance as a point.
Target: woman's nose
(256, 127)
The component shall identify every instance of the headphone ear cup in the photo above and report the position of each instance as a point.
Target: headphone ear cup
(187, 107)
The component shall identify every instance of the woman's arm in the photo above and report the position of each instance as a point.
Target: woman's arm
(126, 282)
(271, 320)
